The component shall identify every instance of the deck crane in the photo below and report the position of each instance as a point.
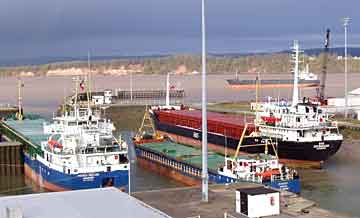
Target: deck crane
(321, 92)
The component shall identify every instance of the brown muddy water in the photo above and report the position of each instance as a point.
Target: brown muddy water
(336, 187)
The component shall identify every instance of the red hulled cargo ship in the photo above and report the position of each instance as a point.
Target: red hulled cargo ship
(183, 125)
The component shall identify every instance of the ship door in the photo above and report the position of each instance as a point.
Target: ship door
(244, 203)
(108, 182)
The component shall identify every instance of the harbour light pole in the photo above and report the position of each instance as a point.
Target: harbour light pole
(346, 21)
(205, 192)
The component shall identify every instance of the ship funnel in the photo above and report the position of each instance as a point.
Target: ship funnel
(295, 60)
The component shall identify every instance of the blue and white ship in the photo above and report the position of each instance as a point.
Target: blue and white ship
(81, 152)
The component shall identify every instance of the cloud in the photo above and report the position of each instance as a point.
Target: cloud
(68, 27)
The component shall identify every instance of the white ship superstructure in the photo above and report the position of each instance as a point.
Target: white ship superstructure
(81, 142)
(257, 168)
(301, 126)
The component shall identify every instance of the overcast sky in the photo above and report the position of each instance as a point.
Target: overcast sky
(41, 28)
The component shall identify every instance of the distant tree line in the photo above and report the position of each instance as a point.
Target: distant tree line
(269, 63)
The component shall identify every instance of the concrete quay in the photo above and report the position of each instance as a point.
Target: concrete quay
(186, 202)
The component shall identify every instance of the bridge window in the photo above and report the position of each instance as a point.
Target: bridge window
(72, 123)
(123, 158)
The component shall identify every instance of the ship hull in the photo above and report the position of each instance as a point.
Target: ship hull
(53, 180)
(251, 84)
(189, 174)
(299, 151)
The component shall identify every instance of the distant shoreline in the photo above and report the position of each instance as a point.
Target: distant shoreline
(265, 63)
(30, 61)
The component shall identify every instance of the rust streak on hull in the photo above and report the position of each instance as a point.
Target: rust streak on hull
(168, 172)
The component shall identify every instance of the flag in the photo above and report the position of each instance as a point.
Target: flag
(82, 85)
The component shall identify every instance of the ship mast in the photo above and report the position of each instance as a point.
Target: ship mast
(295, 59)
(257, 98)
(20, 112)
(88, 83)
(76, 96)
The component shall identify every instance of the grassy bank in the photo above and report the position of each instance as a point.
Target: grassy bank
(350, 134)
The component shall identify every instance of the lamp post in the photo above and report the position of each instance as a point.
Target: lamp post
(205, 176)
(346, 21)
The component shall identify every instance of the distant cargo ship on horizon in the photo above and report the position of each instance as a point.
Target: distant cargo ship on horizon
(306, 80)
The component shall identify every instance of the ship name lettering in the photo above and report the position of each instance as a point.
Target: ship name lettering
(321, 146)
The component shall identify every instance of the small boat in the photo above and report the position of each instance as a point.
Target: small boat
(261, 168)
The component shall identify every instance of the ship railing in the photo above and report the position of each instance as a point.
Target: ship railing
(252, 177)
(101, 149)
(2, 105)
(61, 152)
(92, 150)
(278, 177)
(300, 125)
(284, 176)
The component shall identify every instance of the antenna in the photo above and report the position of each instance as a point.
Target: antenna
(77, 82)
(167, 89)
(88, 82)
(205, 191)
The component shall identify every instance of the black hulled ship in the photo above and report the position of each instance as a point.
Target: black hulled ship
(301, 131)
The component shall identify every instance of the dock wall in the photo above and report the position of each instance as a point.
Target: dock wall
(11, 160)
